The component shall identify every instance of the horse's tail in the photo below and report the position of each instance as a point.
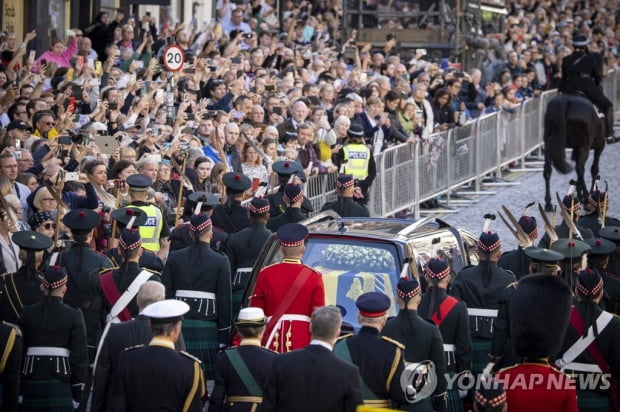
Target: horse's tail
(556, 133)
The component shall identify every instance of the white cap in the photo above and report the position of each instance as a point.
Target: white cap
(166, 311)
(251, 316)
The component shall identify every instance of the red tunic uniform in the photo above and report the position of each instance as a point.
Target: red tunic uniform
(537, 387)
(272, 285)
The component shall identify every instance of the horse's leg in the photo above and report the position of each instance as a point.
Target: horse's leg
(580, 163)
(547, 175)
(595, 160)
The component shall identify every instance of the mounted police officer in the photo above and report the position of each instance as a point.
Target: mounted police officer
(583, 72)
(202, 202)
(243, 248)
(379, 358)
(344, 205)
(231, 216)
(450, 316)
(293, 199)
(481, 288)
(56, 358)
(284, 170)
(201, 277)
(242, 371)
(154, 233)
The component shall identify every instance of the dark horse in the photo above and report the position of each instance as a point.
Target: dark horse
(571, 121)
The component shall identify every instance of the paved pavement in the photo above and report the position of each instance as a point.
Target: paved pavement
(530, 187)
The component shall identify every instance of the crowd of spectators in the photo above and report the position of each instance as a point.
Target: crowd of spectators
(259, 85)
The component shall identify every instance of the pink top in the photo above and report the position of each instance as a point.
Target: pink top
(61, 60)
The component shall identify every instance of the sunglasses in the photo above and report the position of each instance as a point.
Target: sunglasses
(49, 226)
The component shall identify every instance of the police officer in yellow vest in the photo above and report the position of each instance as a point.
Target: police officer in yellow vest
(155, 231)
(356, 159)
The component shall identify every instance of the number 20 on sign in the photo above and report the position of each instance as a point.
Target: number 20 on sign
(174, 58)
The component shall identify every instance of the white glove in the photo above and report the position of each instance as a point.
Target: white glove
(462, 394)
(486, 372)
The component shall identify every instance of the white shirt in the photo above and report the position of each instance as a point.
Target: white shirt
(322, 343)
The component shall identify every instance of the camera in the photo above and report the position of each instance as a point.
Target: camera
(113, 106)
(247, 35)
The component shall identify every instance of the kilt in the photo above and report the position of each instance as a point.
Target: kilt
(201, 340)
(425, 405)
(480, 354)
(50, 395)
(454, 402)
(593, 401)
(236, 301)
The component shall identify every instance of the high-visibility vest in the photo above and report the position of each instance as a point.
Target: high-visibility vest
(150, 231)
(356, 159)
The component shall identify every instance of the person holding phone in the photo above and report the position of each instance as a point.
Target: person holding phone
(252, 166)
(59, 53)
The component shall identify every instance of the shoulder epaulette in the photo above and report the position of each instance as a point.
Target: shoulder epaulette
(18, 330)
(393, 342)
(192, 357)
(133, 347)
(345, 336)
(153, 271)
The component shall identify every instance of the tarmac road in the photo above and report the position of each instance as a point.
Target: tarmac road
(528, 187)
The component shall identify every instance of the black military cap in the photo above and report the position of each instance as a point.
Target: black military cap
(579, 40)
(407, 289)
(207, 200)
(601, 247)
(130, 240)
(81, 219)
(571, 201)
(355, 130)
(125, 215)
(344, 181)
(542, 255)
(31, 240)
(286, 168)
(236, 182)
(589, 282)
(373, 304)
(292, 193)
(489, 242)
(528, 224)
(139, 183)
(54, 277)
(570, 248)
(437, 269)
(199, 222)
(539, 311)
(610, 233)
(259, 206)
(292, 234)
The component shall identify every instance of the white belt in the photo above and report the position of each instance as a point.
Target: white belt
(582, 367)
(47, 351)
(195, 294)
(448, 347)
(485, 313)
(291, 317)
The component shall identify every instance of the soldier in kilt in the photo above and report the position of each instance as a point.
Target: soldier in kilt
(243, 248)
(201, 277)
(450, 315)
(55, 364)
(481, 288)
(601, 356)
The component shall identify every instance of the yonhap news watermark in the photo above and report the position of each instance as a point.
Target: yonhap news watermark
(513, 381)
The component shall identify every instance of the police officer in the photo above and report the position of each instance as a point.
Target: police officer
(231, 216)
(293, 198)
(115, 283)
(572, 206)
(155, 376)
(244, 246)
(202, 202)
(201, 277)
(598, 259)
(612, 233)
(344, 205)
(422, 341)
(597, 209)
(56, 358)
(450, 315)
(22, 287)
(583, 72)
(284, 170)
(154, 233)
(83, 267)
(242, 371)
(502, 354)
(356, 159)
(596, 356)
(481, 288)
(380, 359)
(289, 292)
(123, 216)
(574, 252)
(10, 367)
(517, 260)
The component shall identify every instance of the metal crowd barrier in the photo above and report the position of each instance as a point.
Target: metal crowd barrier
(411, 173)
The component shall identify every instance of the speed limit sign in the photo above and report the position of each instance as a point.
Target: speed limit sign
(174, 58)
